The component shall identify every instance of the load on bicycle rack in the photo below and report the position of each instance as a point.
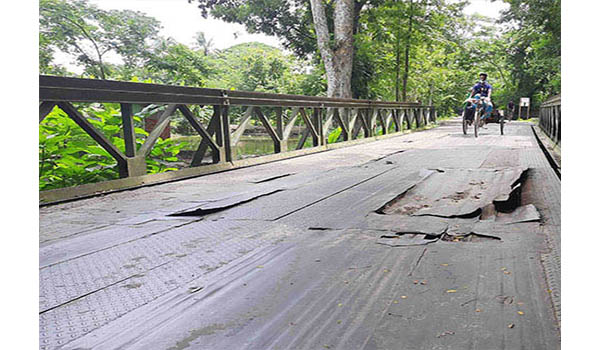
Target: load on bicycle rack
(473, 112)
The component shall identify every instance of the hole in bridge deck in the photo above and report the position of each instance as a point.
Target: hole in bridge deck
(474, 203)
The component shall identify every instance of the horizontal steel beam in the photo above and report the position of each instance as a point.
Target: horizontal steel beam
(90, 90)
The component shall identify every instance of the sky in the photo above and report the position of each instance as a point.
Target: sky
(182, 20)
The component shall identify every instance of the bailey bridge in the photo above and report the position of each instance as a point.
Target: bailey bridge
(414, 237)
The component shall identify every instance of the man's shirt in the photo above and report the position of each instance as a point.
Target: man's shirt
(482, 88)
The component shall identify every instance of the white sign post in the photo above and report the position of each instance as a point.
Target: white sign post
(524, 102)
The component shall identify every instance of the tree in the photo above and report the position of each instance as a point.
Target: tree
(304, 26)
(174, 63)
(289, 20)
(91, 34)
(534, 47)
(257, 67)
(337, 54)
(203, 44)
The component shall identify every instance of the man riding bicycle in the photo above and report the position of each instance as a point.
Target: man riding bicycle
(484, 89)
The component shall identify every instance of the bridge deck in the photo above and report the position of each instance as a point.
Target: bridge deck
(423, 241)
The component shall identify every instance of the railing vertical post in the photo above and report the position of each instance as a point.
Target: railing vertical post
(135, 165)
(317, 124)
(350, 116)
(401, 116)
(282, 142)
(219, 157)
(368, 128)
(383, 122)
(226, 146)
(128, 129)
(558, 125)
(320, 120)
(343, 114)
(415, 118)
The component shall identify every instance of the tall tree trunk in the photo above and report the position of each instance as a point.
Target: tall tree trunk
(397, 68)
(337, 56)
(407, 52)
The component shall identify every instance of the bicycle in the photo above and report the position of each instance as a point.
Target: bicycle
(474, 106)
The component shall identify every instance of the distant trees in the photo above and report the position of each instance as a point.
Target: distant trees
(534, 47)
(347, 33)
(304, 26)
(374, 49)
(206, 45)
(90, 34)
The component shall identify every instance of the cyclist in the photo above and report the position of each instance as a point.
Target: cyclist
(484, 89)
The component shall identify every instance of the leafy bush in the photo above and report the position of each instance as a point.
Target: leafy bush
(68, 156)
(334, 135)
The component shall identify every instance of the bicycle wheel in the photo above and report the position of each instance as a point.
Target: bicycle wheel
(476, 121)
(464, 121)
(501, 125)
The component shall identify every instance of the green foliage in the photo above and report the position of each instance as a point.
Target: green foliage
(89, 34)
(291, 21)
(334, 135)
(534, 48)
(175, 63)
(257, 67)
(68, 156)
